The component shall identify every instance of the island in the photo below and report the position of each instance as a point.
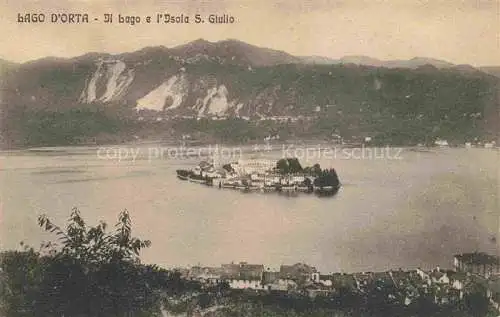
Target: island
(261, 175)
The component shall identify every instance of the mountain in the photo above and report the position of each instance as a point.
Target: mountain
(320, 60)
(159, 91)
(5, 64)
(234, 52)
(361, 60)
(417, 62)
(6, 67)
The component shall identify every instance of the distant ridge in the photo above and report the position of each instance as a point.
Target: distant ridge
(5, 65)
(233, 51)
(492, 70)
(319, 60)
(370, 61)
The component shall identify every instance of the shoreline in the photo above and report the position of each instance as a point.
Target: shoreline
(196, 144)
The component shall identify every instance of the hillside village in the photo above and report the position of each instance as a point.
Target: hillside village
(443, 286)
(63, 280)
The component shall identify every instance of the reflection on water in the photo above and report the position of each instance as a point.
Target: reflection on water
(417, 211)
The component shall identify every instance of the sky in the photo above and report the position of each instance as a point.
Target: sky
(458, 31)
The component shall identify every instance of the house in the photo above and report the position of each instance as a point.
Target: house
(299, 272)
(253, 166)
(197, 170)
(402, 278)
(205, 166)
(272, 179)
(441, 143)
(281, 284)
(297, 179)
(318, 278)
(242, 283)
(269, 277)
(317, 289)
(258, 177)
(436, 276)
(439, 277)
(458, 281)
(216, 173)
(477, 263)
(489, 145)
(243, 275)
(423, 275)
(205, 275)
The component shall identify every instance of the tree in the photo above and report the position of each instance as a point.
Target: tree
(228, 168)
(95, 272)
(20, 276)
(289, 166)
(94, 244)
(327, 178)
(475, 299)
(282, 166)
(316, 170)
(294, 165)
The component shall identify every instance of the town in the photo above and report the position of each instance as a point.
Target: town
(476, 271)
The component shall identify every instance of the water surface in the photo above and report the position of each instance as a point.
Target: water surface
(416, 211)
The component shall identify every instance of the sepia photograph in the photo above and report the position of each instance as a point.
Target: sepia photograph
(250, 158)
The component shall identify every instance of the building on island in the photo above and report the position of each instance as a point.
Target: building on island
(251, 166)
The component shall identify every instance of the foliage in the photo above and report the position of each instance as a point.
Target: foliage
(86, 272)
(20, 279)
(94, 244)
(228, 168)
(327, 178)
(288, 166)
(49, 127)
(228, 131)
(475, 299)
(314, 171)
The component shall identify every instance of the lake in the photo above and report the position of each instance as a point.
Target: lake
(412, 209)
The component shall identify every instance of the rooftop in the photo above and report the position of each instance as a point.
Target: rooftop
(243, 271)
